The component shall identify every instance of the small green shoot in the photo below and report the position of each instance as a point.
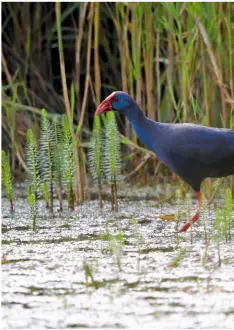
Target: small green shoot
(47, 150)
(138, 237)
(68, 162)
(45, 194)
(89, 275)
(58, 159)
(217, 233)
(178, 258)
(7, 179)
(228, 214)
(178, 211)
(95, 156)
(112, 156)
(32, 161)
(32, 205)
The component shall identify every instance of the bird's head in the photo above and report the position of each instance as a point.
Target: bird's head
(117, 101)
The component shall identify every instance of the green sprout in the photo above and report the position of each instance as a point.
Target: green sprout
(228, 214)
(89, 275)
(68, 162)
(217, 232)
(58, 159)
(95, 156)
(112, 156)
(31, 198)
(45, 194)
(178, 211)
(47, 147)
(7, 179)
(177, 259)
(32, 162)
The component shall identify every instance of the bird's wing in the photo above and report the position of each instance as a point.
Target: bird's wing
(206, 146)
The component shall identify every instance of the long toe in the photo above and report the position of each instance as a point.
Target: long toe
(184, 227)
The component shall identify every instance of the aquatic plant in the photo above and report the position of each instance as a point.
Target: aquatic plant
(138, 237)
(112, 163)
(7, 179)
(227, 214)
(95, 156)
(58, 159)
(89, 275)
(203, 215)
(177, 259)
(217, 232)
(188, 207)
(68, 162)
(47, 150)
(115, 243)
(31, 198)
(84, 167)
(45, 194)
(178, 211)
(32, 161)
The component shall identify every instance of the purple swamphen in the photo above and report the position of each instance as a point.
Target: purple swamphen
(192, 151)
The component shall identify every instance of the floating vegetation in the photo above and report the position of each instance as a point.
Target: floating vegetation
(7, 179)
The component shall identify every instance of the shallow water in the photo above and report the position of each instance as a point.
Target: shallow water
(143, 273)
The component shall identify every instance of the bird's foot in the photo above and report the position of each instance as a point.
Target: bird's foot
(185, 226)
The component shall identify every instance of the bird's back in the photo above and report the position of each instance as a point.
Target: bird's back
(195, 152)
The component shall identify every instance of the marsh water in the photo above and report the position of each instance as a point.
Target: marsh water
(98, 268)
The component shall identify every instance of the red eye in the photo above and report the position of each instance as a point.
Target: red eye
(115, 99)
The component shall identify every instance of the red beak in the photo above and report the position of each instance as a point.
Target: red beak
(105, 105)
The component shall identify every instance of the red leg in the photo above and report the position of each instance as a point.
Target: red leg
(194, 218)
